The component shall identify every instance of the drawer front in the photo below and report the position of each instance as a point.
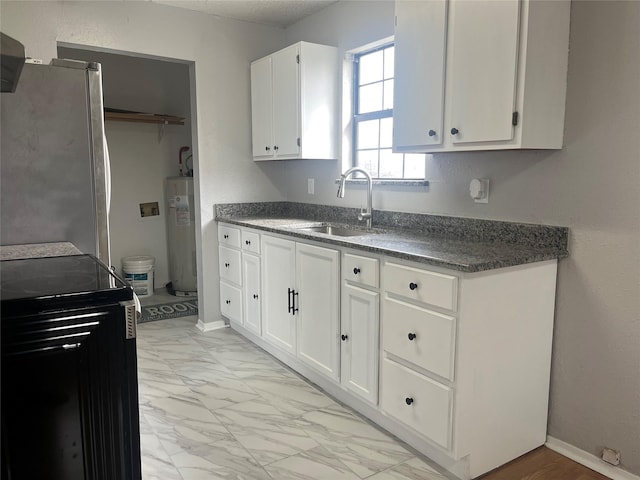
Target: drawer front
(433, 288)
(251, 242)
(230, 265)
(419, 336)
(422, 404)
(361, 270)
(229, 236)
(231, 302)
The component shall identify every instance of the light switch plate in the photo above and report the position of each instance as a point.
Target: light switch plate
(310, 186)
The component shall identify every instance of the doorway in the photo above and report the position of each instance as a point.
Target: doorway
(143, 155)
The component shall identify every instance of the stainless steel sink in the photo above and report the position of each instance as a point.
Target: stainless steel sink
(335, 230)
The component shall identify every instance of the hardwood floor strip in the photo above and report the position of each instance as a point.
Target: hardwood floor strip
(543, 464)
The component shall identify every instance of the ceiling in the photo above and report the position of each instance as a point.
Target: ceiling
(277, 13)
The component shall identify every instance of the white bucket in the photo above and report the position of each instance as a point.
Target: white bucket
(138, 272)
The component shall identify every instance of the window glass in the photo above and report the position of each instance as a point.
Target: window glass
(370, 97)
(371, 67)
(369, 134)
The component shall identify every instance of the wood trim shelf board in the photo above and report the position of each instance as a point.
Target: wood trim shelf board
(114, 115)
(588, 460)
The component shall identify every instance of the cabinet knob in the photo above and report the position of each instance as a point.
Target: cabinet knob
(408, 400)
(228, 302)
(432, 133)
(225, 236)
(226, 265)
(275, 147)
(247, 242)
(454, 131)
(356, 271)
(412, 336)
(344, 337)
(413, 286)
(267, 148)
(255, 296)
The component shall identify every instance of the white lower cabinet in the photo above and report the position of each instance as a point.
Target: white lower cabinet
(252, 294)
(456, 364)
(317, 297)
(301, 302)
(239, 268)
(278, 286)
(421, 336)
(465, 360)
(359, 336)
(230, 270)
(418, 401)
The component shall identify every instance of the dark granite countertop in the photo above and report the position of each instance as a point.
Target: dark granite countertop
(466, 245)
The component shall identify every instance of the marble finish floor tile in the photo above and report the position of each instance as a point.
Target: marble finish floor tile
(215, 406)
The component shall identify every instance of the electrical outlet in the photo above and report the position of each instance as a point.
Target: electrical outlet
(310, 186)
(611, 456)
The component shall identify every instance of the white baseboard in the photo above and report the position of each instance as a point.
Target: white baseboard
(209, 326)
(588, 460)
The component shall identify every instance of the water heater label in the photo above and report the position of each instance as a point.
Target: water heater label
(183, 215)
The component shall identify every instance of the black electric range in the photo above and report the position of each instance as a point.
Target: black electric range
(69, 371)
(42, 284)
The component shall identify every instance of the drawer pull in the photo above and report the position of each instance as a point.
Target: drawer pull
(225, 236)
(356, 271)
(344, 337)
(247, 242)
(408, 400)
(226, 265)
(228, 302)
(413, 286)
(255, 296)
(412, 336)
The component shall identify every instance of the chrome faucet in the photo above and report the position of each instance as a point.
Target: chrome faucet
(364, 214)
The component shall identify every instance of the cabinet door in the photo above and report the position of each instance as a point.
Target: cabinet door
(231, 302)
(252, 295)
(419, 73)
(318, 273)
(278, 276)
(359, 334)
(482, 76)
(261, 108)
(286, 102)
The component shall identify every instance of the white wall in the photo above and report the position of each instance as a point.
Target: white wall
(140, 161)
(591, 186)
(218, 52)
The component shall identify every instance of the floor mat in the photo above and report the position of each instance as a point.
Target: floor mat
(175, 309)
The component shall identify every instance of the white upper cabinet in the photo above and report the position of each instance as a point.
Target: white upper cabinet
(482, 70)
(418, 103)
(262, 108)
(480, 74)
(294, 103)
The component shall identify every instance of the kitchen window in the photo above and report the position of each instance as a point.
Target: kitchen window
(373, 118)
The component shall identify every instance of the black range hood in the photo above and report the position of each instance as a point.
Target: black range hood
(11, 62)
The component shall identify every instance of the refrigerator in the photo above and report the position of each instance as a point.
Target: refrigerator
(54, 173)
